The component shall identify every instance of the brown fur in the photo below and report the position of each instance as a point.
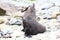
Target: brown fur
(31, 26)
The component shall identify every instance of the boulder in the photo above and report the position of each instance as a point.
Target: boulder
(14, 21)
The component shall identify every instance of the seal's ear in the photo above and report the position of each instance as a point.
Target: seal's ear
(32, 6)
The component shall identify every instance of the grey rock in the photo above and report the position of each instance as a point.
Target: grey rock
(14, 21)
(6, 33)
(58, 18)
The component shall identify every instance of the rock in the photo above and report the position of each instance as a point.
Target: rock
(54, 16)
(8, 7)
(57, 2)
(50, 13)
(1, 33)
(6, 33)
(18, 14)
(14, 21)
(2, 12)
(1, 21)
(17, 33)
(58, 18)
(47, 6)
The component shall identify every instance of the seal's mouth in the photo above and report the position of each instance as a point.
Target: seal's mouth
(24, 9)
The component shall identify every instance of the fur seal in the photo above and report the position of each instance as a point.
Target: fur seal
(30, 25)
